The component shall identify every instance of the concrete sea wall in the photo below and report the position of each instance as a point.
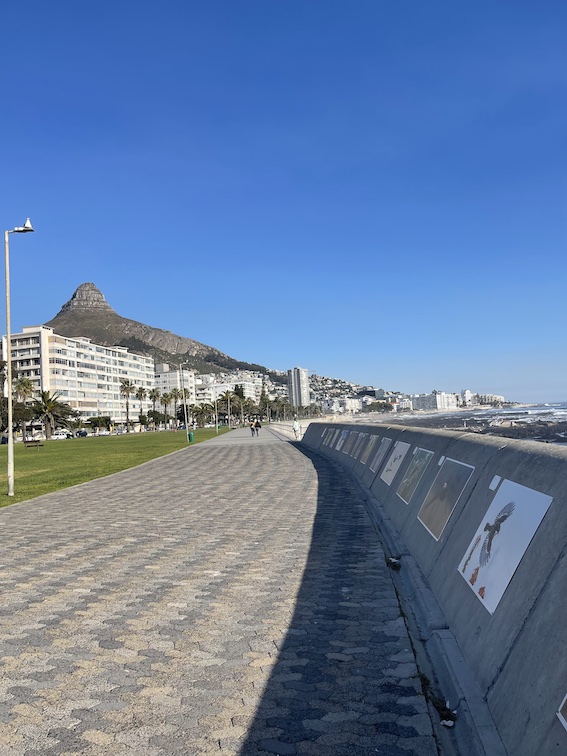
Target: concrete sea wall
(480, 527)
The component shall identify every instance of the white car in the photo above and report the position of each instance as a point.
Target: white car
(61, 435)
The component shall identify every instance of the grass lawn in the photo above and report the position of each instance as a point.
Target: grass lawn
(60, 464)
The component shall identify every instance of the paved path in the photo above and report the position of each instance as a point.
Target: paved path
(228, 599)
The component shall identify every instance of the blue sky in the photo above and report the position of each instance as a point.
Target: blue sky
(371, 190)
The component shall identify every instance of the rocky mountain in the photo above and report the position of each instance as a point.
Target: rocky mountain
(88, 314)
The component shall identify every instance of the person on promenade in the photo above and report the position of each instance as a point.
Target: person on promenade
(296, 428)
(252, 428)
(257, 426)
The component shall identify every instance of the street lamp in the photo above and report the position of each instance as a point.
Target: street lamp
(26, 228)
(216, 411)
(184, 400)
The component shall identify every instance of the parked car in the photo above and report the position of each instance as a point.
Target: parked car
(82, 433)
(61, 435)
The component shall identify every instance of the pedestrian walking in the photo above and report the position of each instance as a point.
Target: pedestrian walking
(253, 429)
(257, 426)
(296, 428)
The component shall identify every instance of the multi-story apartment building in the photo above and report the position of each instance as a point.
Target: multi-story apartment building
(437, 400)
(167, 378)
(210, 386)
(298, 387)
(85, 375)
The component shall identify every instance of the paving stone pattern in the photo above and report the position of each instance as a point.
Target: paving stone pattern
(227, 599)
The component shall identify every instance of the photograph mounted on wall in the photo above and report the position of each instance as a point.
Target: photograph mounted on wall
(380, 454)
(359, 444)
(353, 438)
(369, 446)
(394, 462)
(414, 474)
(501, 540)
(343, 437)
(562, 713)
(443, 495)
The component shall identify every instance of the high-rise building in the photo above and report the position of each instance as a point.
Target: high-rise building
(298, 387)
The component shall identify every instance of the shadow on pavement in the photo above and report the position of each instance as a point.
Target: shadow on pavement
(345, 680)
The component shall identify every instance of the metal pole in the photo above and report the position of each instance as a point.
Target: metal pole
(216, 413)
(184, 403)
(9, 370)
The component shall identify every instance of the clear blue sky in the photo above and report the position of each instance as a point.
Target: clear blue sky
(372, 190)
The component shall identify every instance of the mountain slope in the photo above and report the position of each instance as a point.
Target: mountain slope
(88, 314)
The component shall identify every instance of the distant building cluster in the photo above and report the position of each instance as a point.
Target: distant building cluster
(88, 377)
(340, 397)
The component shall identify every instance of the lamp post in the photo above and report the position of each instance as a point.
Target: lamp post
(26, 228)
(184, 401)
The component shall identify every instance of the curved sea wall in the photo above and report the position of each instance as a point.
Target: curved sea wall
(480, 526)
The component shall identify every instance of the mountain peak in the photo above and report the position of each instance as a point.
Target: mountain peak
(87, 297)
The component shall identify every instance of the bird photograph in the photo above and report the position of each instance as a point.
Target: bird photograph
(492, 530)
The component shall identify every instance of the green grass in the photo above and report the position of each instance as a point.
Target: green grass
(60, 464)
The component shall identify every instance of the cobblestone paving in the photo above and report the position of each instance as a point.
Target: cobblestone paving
(228, 599)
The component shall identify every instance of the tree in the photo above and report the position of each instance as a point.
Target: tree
(141, 395)
(264, 401)
(51, 412)
(127, 388)
(166, 401)
(176, 395)
(379, 407)
(102, 421)
(203, 413)
(153, 396)
(24, 390)
(21, 414)
(238, 403)
(225, 399)
(155, 417)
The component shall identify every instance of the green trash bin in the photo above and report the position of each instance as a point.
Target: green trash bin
(191, 437)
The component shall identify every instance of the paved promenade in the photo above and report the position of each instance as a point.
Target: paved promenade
(231, 598)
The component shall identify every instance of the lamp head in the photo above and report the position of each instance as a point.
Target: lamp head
(26, 228)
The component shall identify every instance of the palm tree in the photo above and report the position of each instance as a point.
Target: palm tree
(238, 404)
(153, 396)
(287, 407)
(140, 396)
(24, 389)
(166, 401)
(176, 395)
(203, 413)
(127, 388)
(225, 398)
(51, 412)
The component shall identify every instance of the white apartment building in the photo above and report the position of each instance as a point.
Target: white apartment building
(298, 387)
(467, 397)
(207, 388)
(491, 399)
(85, 375)
(168, 378)
(437, 400)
